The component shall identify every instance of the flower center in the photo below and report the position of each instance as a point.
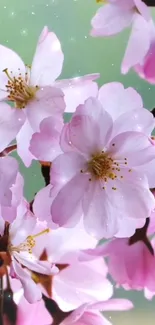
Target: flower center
(28, 244)
(18, 89)
(101, 166)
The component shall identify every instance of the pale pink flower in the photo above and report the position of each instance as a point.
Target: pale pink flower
(84, 315)
(21, 240)
(77, 282)
(35, 93)
(97, 174)
(115, 16)
(131, 262)
(146, 68)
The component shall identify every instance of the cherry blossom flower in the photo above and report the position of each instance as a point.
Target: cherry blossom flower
(101, 173)
(124, 253)
(85, 314)
(115, 16)
(34, 92)
(17, 241)
(77, 282)
(146, 68)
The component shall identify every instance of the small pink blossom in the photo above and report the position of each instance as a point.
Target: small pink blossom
(22, 239)
(115, 16)
(84, 315)
(77, 282)
(95, 176)
(35, 93)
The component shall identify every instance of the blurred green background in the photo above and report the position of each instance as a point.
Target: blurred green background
(20, 25)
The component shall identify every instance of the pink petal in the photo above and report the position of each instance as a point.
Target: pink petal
(11, 121)
(63, 246)
(42, 267)
(113, 304)
(89, 279)
(149, 170)
(110, 19)
(134, 146)
(28, 314)
(75, 315)
(65, 167)
(138, 44)
(8, 171)
(9, 60)
(42, 204)
(117, 100)
(96, 202)
(91, 318)
(87, 121)
(23, 142)
(48, 59)
(134, 186)
(44, 145)
(77, 90)
(32, 292)
(64, 207)
(21, 228)
(143, 9)
(140, 120)
(49, 102)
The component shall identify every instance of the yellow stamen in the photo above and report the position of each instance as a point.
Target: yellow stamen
(18, 89)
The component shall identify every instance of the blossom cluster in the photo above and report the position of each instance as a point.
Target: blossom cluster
(99, 172)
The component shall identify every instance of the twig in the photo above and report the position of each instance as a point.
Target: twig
(1, 300)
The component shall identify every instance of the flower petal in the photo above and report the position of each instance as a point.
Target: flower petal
(88, 120)
(96, 203)
(8, 171)
(117, 100)
(44, 145)
(136, 147)
(49, 102)
(11, 61)
(110, 19)
(138, 44)
(21, 228)
(89, 279)
(32, 292)
(65, 167)
(48, 59)
(11, 121)
(64, 207)
(113, 304)
(77, 90)
(30, 262)
(140, 120)
(23, 142)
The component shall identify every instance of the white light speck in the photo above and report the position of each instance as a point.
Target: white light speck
(24, 32)
(32, 13)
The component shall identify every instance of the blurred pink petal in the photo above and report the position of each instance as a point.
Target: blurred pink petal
(77, 90)
(48, 59)
(45, 145)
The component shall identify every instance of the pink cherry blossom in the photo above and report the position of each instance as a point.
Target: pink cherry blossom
(101, 172)
(35, 93)
(77, 282)
(22, 238)
(90, 313)
(115, 16)
(123, 254)
(84, 315)
(146, 68)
